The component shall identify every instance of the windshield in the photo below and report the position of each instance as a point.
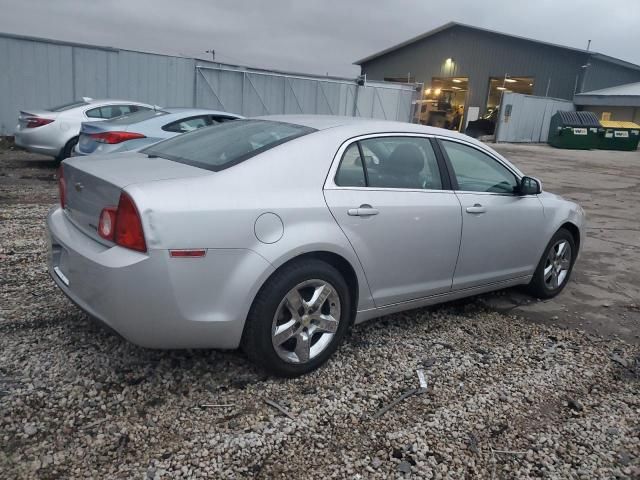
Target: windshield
(68, 106)
(136, 117)
(221, 146)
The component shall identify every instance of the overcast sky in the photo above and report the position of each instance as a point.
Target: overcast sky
(315, 36)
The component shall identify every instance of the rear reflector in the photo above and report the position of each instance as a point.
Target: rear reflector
(33, 122)
(115, 137)
(62, 187)
(200, 252)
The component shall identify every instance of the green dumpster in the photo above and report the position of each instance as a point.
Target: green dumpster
(619, 135)
(578, 130)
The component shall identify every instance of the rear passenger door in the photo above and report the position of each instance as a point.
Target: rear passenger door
(398, 211)
(500, 229)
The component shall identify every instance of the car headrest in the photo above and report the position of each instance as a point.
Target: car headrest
(406, 158)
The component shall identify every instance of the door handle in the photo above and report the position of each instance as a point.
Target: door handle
(363, 211)
(477, 208)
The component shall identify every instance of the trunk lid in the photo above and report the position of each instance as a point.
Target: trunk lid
(86, 144)
(24, 116)
(95, 183)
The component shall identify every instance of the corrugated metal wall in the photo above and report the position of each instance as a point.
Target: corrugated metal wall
(529, 118)
(38, 73)
(253, 93)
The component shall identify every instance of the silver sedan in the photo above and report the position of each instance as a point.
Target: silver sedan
(141, 129)
(55, 131)
(277, 234)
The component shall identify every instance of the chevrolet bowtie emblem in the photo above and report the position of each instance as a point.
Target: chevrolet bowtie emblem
(78, 186)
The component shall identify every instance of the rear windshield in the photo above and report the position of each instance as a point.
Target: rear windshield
(136, 117)
(221, 146)
(68, 106)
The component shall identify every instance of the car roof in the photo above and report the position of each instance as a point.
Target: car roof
(366, 125)
(349, 127)
(198, 111)
(93, 101)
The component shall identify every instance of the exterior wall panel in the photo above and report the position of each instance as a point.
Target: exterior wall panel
(479, 55)
(39, 74)
(603, 74)
(529, 119)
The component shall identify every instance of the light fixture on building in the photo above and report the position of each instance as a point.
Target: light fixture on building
(501, 88)
(427, 91)
(531, 84)
(456, 88)
(510, 80)
(456, 80)
(437, 92)
(448, 61)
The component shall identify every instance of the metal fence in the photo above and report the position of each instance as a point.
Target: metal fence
(39, 73)
(525, 118)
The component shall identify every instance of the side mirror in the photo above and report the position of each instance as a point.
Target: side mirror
(529, 186)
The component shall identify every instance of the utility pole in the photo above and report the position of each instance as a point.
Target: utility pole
(213, 54)
(585, 69)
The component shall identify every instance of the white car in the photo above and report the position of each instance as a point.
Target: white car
(55, 131)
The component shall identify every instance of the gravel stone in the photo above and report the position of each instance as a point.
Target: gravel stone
(77, 401)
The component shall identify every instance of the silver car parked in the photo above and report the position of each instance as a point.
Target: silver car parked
(140, 129)
(55, 131)
(278, 233)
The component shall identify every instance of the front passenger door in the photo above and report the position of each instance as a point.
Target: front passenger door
(500, 228)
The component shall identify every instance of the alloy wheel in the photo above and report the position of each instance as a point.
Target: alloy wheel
(557, 265)
(305, 321)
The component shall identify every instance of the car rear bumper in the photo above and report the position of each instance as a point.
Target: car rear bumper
(32, 142)
(153, 300)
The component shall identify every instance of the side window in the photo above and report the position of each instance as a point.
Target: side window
(401, 162)
(221, 119)
(113, 111)
(351, 172)
(478, 172)
(127, 109)
(188, 125)
(93, 113)
(110, 111)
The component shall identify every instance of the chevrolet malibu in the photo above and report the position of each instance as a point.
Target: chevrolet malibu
(276, 234)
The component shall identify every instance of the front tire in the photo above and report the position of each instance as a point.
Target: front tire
(298, 319)
(555, 266)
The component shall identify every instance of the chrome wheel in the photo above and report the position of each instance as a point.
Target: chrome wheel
(305, 321)
(557, 265)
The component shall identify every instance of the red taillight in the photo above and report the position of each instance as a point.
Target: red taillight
(115, 137)
(62, 187)
(107, 223)
(128, 225)
(33, 122)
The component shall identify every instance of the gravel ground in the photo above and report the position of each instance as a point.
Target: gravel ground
(506, 398)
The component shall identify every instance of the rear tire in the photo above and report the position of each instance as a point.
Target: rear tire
(555, 266)
(298, 319)
(67, 150)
